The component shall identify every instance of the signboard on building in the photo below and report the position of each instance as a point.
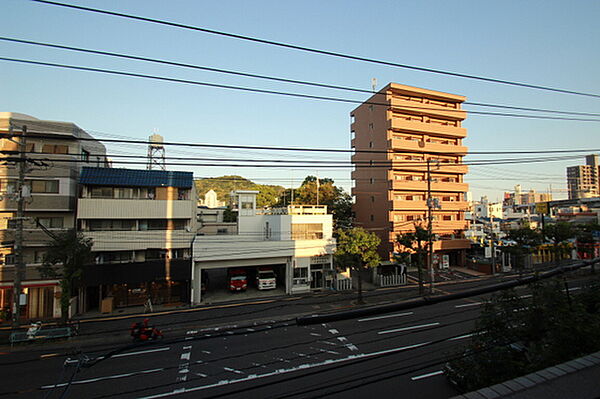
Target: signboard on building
(445, 261)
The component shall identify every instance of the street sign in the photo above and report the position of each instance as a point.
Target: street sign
(542, 208)
(595, 233)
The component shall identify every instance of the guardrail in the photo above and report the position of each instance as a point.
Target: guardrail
(40, 335)
(344, 284)
(391, 280)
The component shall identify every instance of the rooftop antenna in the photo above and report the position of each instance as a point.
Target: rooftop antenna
(374, 84)
(156, 152)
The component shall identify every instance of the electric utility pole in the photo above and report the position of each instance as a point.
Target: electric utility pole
(18, 247)
(429, 228)
(492, 238)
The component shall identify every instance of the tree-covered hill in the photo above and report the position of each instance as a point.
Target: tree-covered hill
(223, 185)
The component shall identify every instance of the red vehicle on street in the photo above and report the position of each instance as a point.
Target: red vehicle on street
(238, 280)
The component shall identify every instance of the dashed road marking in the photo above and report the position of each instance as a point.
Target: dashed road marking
(387, 316)
(408, 328)
(468, 304)
(420, 377)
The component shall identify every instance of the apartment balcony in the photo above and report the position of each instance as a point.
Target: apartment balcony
(459, 243)
(438, 227)
(421, 166)
(424, 127)
(427, 108)
(139, 240)
(419, 146)
(50, 203)
(98, 208)
(422, 205)
(31, 237)
(421, 185)
(408, 205)
(449, 226)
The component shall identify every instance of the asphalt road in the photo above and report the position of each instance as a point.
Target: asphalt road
(254, 351)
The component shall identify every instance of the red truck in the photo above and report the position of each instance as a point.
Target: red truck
(238, 280)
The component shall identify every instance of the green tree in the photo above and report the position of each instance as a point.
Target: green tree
(268, 195)
(415, 243)
(338, 201)
(229, 216)
(558, 234)
(357, 249)
(66, 258)
(515, 336)
(526, 239)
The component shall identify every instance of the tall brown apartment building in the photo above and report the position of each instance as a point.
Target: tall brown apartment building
(583, 181)
(395, 133)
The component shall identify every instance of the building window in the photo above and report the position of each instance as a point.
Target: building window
(85, 155)
(39, 256)
(114, 225)
(352, 119)
(372, 199)
(307, 231)
(154, 254)
(370, 127)
(410, 218)
(371, 180)
(447, 217)
(52, 222)
(370, 144)
(372, 218)
(55, 149)
(398, 218)
(114, 257)
(44, 186)
(102, 192)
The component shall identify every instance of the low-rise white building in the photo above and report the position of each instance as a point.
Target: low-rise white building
(296, 241)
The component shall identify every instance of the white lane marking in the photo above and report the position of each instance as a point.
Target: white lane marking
(184, 370)
(233, 370)
(187, 347)
(387, 316)
(108, 377)
(352, 347)
(408, 328)
(468, 304)
(201, 375)
(192, 332)
(525, 296)
(185, 356)
(283, 371)
(206, 352)
(574, 288)
(334, 331)
(342, 339)
(461, 337)
(315, 334)
(137, 353)
(420, 377)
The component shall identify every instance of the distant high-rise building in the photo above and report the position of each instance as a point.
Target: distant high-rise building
(397, 133)
(583, 181)
(518, 197)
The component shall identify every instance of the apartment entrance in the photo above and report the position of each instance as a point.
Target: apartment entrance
(316, 279)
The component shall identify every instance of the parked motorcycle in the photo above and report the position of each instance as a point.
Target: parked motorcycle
(141, 332)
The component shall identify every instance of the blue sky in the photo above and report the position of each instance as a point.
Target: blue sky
(552, 43)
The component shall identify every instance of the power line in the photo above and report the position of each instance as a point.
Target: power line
(318, 51)
(35, 135)
(263, 91)
(278, 79)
